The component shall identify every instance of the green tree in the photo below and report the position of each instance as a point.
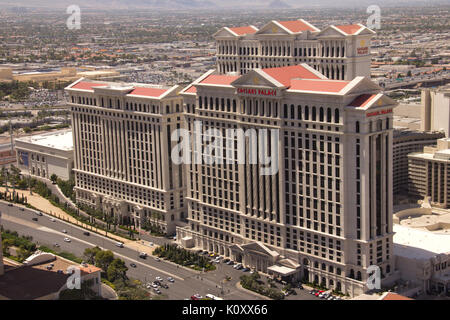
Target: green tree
(117, 270)
(103, 259)
(90, 253)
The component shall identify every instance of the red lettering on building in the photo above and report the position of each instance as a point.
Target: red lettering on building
(377, 113)
(364, 50)
(260, 92)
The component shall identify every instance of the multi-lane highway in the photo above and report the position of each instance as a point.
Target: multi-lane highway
(187, 282)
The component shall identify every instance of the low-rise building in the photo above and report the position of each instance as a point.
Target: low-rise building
(423, 258)
(429, 173)
(46, 154)
(44, 277)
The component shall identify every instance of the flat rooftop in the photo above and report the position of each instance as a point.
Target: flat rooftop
(61, 140)
(419, 244)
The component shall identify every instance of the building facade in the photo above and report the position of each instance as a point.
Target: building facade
(122, 147)
(406, 142)
(338, 52)
(429, 173)
(326, 214)
(46, 154)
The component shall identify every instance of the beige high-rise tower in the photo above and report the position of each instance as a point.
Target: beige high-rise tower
(326, 214)
(122, 166)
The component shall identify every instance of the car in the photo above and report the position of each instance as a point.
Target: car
(157, 290)
(154, 285)
(252, 271)
(194, 298)
(67, 240)
(49, 267)
(148, 286)
(230, 263)
(56, 245)
(119, 244)
(170, 279)
(133, 265)
(159, 278)
(39, 213)
(52, 219)
(64, 231)
(226, 260)
(60, 271)
(34, 219)
(86, 233)
(21, 209)
(151, 244)
(10, 205)
(245, 269)
(165, 286)
(200, 251)
(300, 286)
(157, 259)
(142, 255)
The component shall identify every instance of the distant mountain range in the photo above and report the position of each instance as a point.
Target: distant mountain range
(208, 4)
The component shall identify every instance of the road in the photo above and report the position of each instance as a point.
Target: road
(187, 282)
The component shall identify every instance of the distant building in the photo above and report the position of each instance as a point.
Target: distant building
(122, 139)
(66, 74)
(436, 110)
(7, 157)
(46, 154)
(429, 173)
(338, 52)
(405, 142)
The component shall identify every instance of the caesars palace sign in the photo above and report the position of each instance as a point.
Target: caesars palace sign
(363, 49)
(264, 92)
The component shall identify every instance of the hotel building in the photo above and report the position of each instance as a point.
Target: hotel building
(407, 141)
(339, 52)
(121, 138)
(326, 214)
(429, 173)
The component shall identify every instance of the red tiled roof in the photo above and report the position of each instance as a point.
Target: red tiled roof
(318, 85)
(219, 79)
(296, 26)
(395, 296)
(84, 85)
(191, 89)
(285, 74)
(148, 92)
(362, 100)
(243, 30)
(349, 29)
